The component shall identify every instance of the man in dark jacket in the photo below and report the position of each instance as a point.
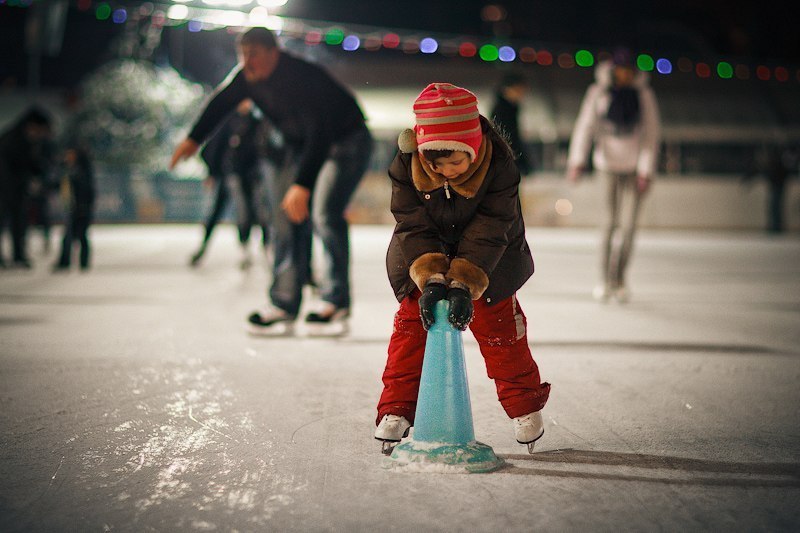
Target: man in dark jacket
(22, 155)
(320, 121)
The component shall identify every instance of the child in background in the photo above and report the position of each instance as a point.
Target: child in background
(460, 236)
(77, 194)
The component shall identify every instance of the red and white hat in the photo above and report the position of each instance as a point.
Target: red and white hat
(447, 119)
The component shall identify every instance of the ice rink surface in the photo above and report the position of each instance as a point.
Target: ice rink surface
(131, 398)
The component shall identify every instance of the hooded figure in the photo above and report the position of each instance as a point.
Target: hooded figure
(620, 120)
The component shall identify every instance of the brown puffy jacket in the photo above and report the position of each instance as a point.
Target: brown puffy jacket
(469, 229)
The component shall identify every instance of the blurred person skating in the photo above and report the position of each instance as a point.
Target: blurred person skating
(77, 191)
(41, 187)
(505, 114)
(234, 157)
(460, 237)
(775, 164)
(618, 117)
(320, 122)
(23, 154)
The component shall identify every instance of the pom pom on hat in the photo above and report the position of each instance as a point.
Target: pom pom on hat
(447, 118)
(407, 141)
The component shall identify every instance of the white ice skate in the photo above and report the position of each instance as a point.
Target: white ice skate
(329, 321)
(529, 428)
(391, 430)
(270, 322)
(602, 293)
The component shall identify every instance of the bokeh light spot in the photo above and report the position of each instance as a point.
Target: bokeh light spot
(351, 43)
(563, 207)
(334, 36)
(645, 62)
(467, 49)
(584, 58)
(724, 70)
(391, 40)
(663, 66)
(565, 60)
(428, 45)
(506, 54)
(527, 54)
(313, 38)
(119, 16)
(543, 57)
(488, 52)
(103, 11)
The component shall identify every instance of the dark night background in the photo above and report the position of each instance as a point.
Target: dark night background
(706, 30)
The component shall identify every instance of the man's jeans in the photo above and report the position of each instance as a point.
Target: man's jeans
(337, 181)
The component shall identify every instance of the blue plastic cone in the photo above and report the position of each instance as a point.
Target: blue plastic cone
(444, 438)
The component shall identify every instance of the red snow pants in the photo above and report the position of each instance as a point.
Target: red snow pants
(501, 332)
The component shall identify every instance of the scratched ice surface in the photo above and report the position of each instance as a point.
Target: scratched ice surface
(131, 398)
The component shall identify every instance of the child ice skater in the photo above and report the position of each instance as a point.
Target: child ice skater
(459, 237)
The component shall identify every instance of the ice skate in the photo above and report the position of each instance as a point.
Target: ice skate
(391, 430)
(194, 261)
(602, 293)
(528, 429)
(270, 322)
(329, 321)
(622, 294)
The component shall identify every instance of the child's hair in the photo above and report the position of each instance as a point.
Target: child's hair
(499, 139)
(433, 155)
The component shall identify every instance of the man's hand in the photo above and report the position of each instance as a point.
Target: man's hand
(431, 293)
(295, 203)
(185, 150)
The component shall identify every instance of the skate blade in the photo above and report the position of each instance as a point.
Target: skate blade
(281, 329)
(387, 446)
(532, 443)
(333, 329)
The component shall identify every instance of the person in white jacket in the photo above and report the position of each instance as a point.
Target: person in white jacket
(619, 118)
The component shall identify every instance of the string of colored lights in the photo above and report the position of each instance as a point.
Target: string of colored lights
(197, 19)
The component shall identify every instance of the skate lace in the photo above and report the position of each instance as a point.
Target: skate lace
(523, 420)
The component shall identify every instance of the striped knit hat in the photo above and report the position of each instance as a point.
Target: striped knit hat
(447, 119)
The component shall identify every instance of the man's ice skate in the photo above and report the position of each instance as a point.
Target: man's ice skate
(329, 321)
(270, 322)
(528, 429)
(391, 430)
(197, 256)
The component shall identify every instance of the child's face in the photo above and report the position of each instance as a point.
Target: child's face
(451, 166)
